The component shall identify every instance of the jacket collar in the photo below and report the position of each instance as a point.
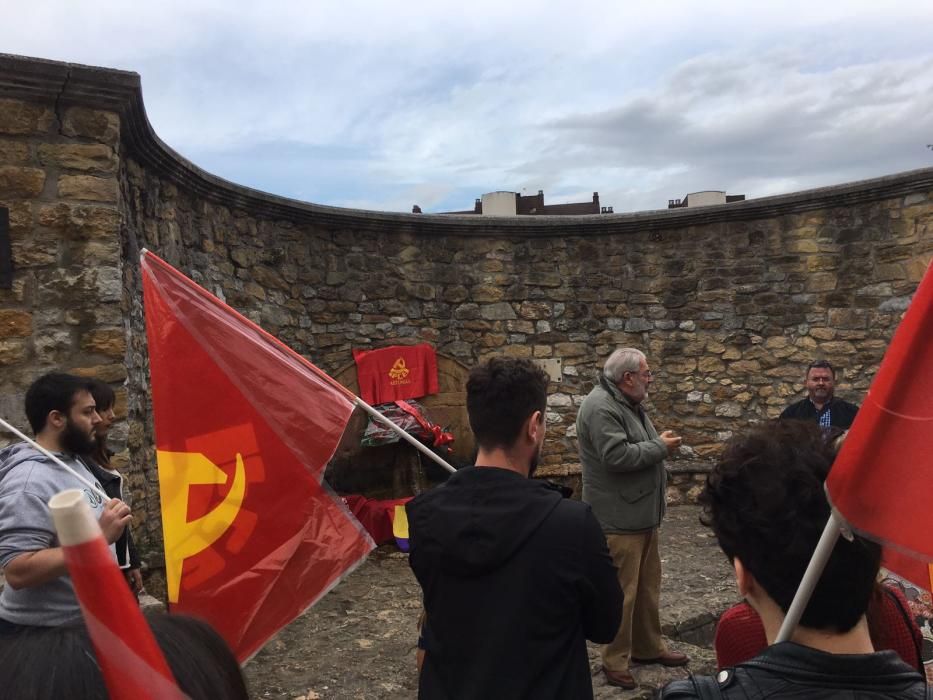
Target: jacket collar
(616, 393)
(801, 661)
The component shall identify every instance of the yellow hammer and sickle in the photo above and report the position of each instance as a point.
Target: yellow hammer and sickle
(184, 539)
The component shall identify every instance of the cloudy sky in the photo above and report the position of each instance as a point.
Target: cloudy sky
(382, 105)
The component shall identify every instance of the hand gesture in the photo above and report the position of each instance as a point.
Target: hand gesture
(114, 520)
(671, 440)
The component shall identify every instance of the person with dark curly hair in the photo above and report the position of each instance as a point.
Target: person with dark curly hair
(764, 500)
(515, 577)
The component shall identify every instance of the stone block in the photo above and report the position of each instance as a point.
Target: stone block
(534, 310)
(110, 343)
(88, 187)
(638, 325)
(80, 220)
(710, 365)
(15, 324)
(502, 311)
(564, 350)
(93, 124)
(848, 318)
(18, 182)
(106, 373)
(728, 409)
(87, 157)
(821, 282)
(14, 152)
(24, 118)
(487, 294)
(12, 351)
(53, 346)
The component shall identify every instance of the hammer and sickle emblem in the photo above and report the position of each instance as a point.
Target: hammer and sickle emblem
(183, 538)
(399, 370)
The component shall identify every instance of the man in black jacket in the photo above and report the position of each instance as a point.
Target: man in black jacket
(515, 577)
(821, 406)
(765, 502)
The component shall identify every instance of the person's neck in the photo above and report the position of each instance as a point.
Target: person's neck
(501, 459)
(820, 405)
(855, 641)
(49, 442)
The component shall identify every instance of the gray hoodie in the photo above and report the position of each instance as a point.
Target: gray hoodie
(28, 479)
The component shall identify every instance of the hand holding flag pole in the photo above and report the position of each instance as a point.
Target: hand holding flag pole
(129, 658)
(83, 479)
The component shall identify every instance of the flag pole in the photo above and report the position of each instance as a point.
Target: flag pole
(418, 445)
(84, 480)
(811, 576)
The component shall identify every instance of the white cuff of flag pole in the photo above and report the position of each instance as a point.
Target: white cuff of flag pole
(73, 518)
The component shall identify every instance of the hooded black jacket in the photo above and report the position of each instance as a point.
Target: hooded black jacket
(515, 579)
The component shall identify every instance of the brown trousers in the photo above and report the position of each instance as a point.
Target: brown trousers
(636, 556)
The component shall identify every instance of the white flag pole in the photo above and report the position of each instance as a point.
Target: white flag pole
(84, 480)
(405, 436)
(811, 576)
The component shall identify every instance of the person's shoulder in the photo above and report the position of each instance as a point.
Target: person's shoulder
(675, 690)
(793, 407)
(724, 685)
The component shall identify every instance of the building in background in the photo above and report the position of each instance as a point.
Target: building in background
(704, 199)
(515, 204)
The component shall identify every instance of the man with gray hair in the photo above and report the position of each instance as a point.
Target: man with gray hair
(624, 481)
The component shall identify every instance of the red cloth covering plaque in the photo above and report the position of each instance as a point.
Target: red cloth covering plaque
(396, 372)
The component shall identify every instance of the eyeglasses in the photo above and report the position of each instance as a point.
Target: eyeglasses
(647, 374)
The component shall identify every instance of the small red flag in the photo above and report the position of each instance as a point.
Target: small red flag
(130, 660)
(882, 481)
(244, 429)
(396, 372)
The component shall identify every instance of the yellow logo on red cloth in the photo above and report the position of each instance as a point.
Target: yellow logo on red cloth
(399, 373)
(183, 538)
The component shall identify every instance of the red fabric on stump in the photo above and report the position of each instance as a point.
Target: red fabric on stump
(396, 372)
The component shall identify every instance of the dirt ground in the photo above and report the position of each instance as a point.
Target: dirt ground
(359, 640)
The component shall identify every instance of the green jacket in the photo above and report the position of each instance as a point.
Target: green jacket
(624, 479)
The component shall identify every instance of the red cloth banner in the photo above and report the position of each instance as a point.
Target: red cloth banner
(244, 428)
(396, 372)
(882, 481)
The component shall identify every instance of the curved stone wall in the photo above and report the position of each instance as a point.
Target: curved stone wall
(729, 302)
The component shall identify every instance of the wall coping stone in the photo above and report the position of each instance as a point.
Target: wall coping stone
(71, 84)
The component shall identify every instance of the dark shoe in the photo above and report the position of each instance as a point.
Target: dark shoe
(668, 658)
(620, 679)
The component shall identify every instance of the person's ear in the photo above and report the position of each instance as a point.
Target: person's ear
(56, 420)
(744, 580)
(535, 425)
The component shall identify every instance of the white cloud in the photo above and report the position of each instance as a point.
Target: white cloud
(383, 104)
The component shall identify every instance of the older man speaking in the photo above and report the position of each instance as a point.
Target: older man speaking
(624, 482)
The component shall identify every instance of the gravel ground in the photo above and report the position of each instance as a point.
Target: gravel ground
(359, 640)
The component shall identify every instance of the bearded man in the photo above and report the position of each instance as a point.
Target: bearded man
(38, 590)
(515, 577)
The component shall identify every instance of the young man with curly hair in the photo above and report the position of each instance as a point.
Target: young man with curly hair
(765, 502)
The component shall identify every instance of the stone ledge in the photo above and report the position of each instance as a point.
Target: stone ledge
(69, 84)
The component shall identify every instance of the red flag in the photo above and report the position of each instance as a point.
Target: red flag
(882, 481)
(244, 429)
(130, 661)
(396, 372)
